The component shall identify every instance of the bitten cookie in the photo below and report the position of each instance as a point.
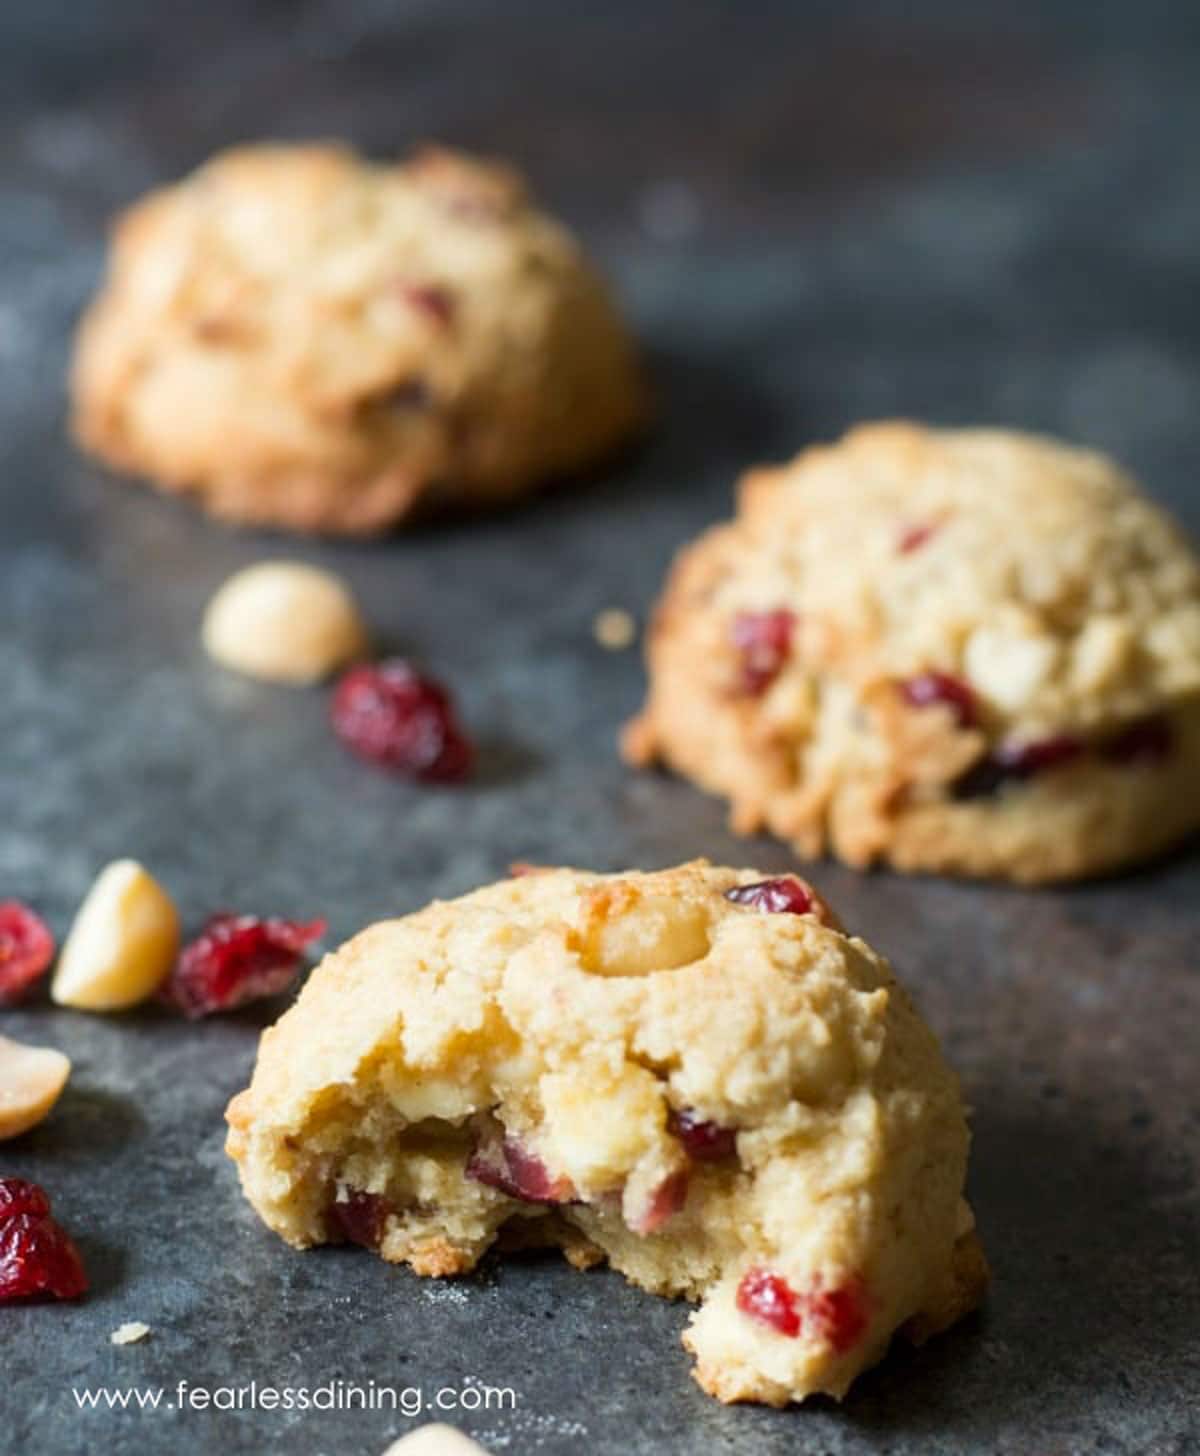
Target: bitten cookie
(967, 651)
(303, 339)
(695, 1074)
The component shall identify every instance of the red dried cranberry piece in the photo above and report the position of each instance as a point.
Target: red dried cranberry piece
(511, 1168)
(770, 1300)
(1016, 762)
(1148, 740)
(19, 1196)
(37, 1256)
(434, 302)
(763, 641)
(360, 1217)
(707, 1142)
(26, 950)
(784, 895)
(912, 538)
(664, 1203)
(238, 958)
(928, 688)
(838, 1316)
(412, 394)
(389, 714)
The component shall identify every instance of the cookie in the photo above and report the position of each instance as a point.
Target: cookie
(694, 1074)
(303, 339)
(973, 652)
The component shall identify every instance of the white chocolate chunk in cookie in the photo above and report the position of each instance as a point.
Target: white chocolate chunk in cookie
(122, 944)
(284, 621)
(695, 1074)
(31, 1082)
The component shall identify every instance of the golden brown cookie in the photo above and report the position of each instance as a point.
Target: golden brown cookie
(304, 339)
(967, 651)
(695, 1074)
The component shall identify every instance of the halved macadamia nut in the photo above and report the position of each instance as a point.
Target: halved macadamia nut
(122, 945)
(435, 1440)
(31, 1082)
(285, 622)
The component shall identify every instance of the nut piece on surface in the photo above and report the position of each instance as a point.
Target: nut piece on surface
(614, 629)
(122, 944)
(285, 622)
(31, 1080)
(435, 1440)
(129, 1333)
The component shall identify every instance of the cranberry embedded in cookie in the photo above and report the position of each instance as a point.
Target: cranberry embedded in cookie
(783, 895)
(763, 641)
(657, 1069)
(928, 688)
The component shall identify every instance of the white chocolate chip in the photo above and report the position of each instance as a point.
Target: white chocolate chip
(122, 944)
(614, 629)
(285, 622)
(1100, 651)
(1007, 668)
(435, 1440)
(129, 1333)
(31, 1081)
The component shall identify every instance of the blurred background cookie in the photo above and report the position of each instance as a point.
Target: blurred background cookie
(304, 339)
(968, 651)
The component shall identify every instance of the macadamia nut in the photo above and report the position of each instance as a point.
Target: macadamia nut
(122, 945)
(435, 1440)
(285, 622)
(31, 1081)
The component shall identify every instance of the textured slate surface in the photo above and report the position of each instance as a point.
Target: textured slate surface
(817, 213)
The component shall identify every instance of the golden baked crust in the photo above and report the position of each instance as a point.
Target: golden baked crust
(1060, 608)
(307, 340)
(570, 1021)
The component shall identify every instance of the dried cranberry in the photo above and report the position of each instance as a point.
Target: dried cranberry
(412, 394)
(707, 1142)
(19, 1196)
(770, 1300)
(664, 1203)
(1016, 762)
(510, 1167)
(784, 895)
(1148, 740)
(391, 715)
(434, 302)
(238, 958)
(37, 1256)
(26, 949)
(360, 1217)
(763, 641)
(838, 1316)
(928, 688)
(912, 538)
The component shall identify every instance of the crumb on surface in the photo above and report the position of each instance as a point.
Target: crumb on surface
(614, 628)
(129, 1333)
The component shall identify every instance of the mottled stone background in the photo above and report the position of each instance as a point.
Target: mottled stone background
(816, 212)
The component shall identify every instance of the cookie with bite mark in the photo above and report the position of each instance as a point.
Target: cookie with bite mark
(695, 1074)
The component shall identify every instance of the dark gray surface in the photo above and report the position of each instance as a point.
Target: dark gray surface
(815, 216)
